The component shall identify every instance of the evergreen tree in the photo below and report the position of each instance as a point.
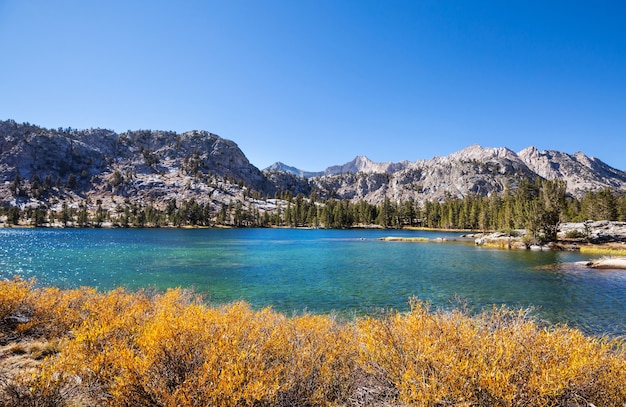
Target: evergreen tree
(71, 182)
(99, 218)
(507, 209)
(82, 215)
(409, 212)
(35, 186)
(65, 215)
(553, 200)
(621, 208)
(14, 187)
(13, 215)
(606, 205)
(47, 182)
(385, 214)
(39, 217)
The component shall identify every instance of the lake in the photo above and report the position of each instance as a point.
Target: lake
(350, 272)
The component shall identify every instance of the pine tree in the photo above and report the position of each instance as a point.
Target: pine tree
(15, 185)
(71, 182)
(99, 218)
(553, 199)
(606, 205)
(82, 215)
(13, 215)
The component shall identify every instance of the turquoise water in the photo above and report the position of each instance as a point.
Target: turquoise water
(347, 271)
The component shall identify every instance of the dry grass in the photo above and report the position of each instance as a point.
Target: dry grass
(502, 243)
(170, 349)
(610, 249)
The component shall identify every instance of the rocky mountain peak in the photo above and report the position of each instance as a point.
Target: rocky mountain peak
(364, 165)
(529, 152)
(477, 152)
(282, 167)
(360, 163)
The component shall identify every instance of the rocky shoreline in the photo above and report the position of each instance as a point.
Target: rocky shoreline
(594, 237)
(573, 233)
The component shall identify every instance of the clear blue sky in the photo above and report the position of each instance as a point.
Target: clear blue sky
(313, 83)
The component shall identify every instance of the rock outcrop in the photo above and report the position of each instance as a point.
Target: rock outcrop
(595, 231)
(607, 263)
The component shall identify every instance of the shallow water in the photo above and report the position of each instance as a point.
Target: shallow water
(347, 271)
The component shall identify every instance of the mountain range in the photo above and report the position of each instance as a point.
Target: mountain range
(40, 166)
(474, 169)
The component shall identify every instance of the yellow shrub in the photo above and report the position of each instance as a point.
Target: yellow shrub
(13, 296)
(173, 352)
(495, 359)
(170, 349)
(56, 312)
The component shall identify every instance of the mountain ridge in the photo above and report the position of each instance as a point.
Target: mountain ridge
(581, 172)
(51, 167)
(474, 151)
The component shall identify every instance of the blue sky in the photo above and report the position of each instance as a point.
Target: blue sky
(314, 83)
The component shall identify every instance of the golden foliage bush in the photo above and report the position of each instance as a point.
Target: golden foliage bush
(45, 312)
(13, 296)
(171, 349)
(499, 358)
(54, 312)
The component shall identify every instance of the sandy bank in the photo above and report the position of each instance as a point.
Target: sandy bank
(404, 239)
(607, 263)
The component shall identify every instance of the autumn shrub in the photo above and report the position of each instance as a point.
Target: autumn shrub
(54, 313)
(13, 296)
(172, 349)
(499, 358)
(43, 312)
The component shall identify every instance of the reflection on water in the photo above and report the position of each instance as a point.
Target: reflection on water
(347, 271)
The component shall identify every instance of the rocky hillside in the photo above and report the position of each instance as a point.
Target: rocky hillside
(44, 166)
(50, 167)
(582, 173)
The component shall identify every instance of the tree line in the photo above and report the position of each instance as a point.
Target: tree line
(537, 206)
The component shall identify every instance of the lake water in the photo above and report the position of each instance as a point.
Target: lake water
(347, 271)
